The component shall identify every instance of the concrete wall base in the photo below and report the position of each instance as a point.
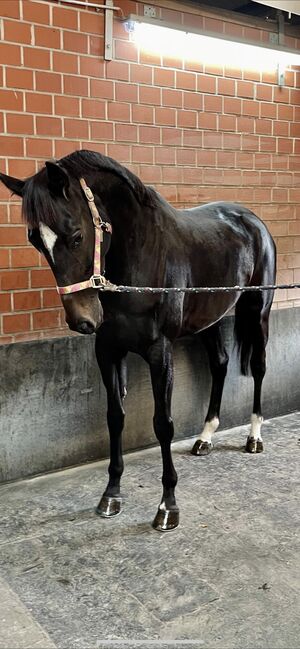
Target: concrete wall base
(53, 403)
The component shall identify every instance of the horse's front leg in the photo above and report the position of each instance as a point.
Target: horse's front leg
(109, 363)
(159, 357)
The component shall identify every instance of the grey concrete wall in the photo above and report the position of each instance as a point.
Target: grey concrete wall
(53, 405)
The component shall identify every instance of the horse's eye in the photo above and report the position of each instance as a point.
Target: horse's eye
(77, 240)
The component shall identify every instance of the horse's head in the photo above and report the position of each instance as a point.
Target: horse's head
(62, 228)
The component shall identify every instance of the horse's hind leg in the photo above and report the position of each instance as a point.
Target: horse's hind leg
(251, 329)
(159, 357)
(109, 363)
(254, 442)
(218, 361)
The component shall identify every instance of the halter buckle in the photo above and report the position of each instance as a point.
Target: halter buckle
(97, 221)
(97, 281)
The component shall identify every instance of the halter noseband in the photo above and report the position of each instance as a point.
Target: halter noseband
(96, 280)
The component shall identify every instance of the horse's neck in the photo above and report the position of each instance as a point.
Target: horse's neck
(139, 235)
(131, 229)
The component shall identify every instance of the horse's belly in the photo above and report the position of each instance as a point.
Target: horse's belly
(201, 312)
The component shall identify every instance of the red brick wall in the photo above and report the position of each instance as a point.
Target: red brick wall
(196, 133)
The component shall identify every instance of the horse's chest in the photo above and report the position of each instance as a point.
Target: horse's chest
(132, 332)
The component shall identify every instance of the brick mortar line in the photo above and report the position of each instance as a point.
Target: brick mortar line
(59, 138)
(269, 84)
(33, 310)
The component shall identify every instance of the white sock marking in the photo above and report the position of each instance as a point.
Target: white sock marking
(209, 428)
(49, 238)
(256, 422)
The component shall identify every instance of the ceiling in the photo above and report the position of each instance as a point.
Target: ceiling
(259, 9)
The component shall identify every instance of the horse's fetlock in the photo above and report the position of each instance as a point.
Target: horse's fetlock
(115, 473)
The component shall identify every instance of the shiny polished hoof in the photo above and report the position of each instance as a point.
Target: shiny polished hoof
(202, 448)
(254, 445)
(109, 507)
(166, 520)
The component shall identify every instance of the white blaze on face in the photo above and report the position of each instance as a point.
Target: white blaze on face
(49, 238)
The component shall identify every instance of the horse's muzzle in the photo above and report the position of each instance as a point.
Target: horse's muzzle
(83, 326)
(86, 327)
(83, 311)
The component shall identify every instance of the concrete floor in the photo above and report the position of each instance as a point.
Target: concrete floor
(227, 578)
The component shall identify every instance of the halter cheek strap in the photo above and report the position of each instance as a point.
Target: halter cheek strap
(96, 280)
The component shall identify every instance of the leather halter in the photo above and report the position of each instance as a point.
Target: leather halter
(96, 280)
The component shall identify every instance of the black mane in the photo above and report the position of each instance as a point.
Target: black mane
(81, 162)
(38, 204)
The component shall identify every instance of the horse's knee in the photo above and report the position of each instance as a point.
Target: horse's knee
(219, 366)
(163, 427)
(115, 418)
(222, 368)
(258, 368)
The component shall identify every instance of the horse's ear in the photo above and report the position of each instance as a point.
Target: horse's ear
(58, 179)
(14, 184)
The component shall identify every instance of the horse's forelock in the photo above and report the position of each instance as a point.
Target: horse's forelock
(38, 205)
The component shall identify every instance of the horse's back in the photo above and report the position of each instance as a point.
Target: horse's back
(219, 214)
(224, 228)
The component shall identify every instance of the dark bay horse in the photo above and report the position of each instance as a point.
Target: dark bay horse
(85, 213)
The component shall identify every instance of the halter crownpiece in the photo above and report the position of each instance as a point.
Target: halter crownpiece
(97, 280)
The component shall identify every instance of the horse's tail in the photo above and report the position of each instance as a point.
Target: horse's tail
(247, 314)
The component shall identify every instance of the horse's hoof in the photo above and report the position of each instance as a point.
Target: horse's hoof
(109, 506)
(166, 520)
(254, 445)
(202, 448)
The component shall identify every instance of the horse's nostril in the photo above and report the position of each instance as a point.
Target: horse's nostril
(86, 327)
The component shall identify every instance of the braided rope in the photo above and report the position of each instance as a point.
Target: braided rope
(194, 289)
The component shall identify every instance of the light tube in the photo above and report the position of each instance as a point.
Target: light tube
(213, 49)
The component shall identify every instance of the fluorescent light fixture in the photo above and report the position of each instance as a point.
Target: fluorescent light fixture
(291, 6)
(165, 39)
